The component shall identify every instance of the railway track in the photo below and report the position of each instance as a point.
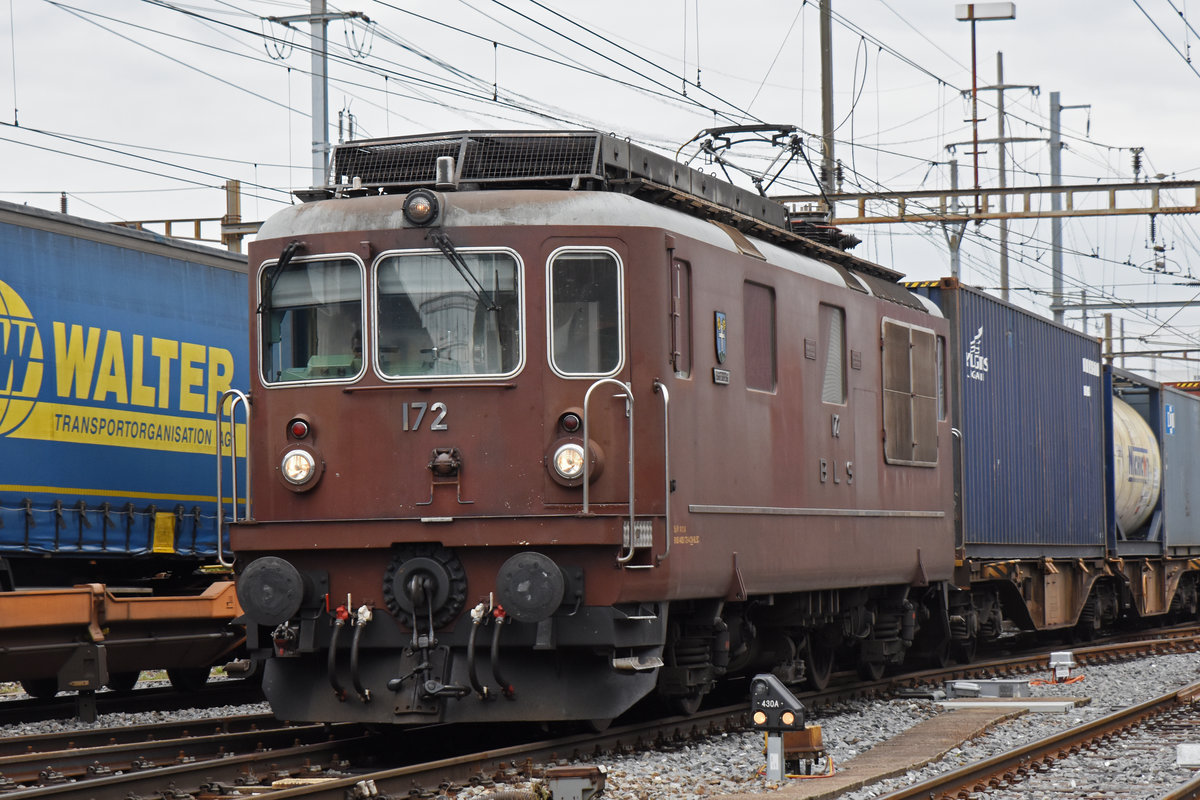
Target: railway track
(1031, 769)
(256, 755)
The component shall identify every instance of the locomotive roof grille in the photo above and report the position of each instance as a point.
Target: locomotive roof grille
(509, 159)
(577, 160)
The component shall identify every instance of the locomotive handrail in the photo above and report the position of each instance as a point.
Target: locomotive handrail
(627, 391)
(236, 397)
(661, 388)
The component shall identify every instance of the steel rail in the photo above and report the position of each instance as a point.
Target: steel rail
(485, 766)
(983, 775)
(77, 763)
(1188, 791)
(236, 769)
(158, 731)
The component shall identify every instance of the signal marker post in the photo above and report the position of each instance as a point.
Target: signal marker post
(774, 709)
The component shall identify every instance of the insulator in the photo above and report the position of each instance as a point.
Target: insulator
(1137, 161)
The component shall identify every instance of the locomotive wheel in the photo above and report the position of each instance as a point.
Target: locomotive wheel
(870, 670)
(188, 679)
(818, 662)
(40, 688)
(122, 681)
(685, 705)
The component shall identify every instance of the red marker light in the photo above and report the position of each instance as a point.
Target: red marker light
(299, 428)
(570, 422)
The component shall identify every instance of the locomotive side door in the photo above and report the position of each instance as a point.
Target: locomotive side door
(588, 349)
(682, 364)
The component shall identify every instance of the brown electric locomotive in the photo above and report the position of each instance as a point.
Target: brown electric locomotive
(544, 424)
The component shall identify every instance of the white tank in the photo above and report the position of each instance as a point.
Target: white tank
(1137, 467)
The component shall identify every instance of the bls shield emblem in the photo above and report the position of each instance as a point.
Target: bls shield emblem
(719, 329)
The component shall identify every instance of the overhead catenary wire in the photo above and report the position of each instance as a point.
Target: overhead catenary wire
(782, 43)
(440, 91)
(84, 15)
(1166, 38)
(482, 93)
(726, 114)
(105, 148)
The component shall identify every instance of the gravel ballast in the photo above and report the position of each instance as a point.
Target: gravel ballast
(731, 763)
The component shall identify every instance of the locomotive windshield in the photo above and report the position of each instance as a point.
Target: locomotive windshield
(432, 321)
(312, 317)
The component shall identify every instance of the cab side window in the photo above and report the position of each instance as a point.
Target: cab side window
(585, 312)
(312, 320)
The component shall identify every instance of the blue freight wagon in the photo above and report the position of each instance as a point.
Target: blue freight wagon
(116, 345)
(1027, 399)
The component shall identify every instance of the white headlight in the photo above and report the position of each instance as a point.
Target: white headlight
(298, 466)
(568, 461)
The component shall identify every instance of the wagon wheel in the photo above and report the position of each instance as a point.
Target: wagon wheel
(188, 679)
(818, 662)
(40, 688)
(1088, 627)
(122, 681)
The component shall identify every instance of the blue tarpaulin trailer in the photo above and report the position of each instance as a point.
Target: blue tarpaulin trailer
(116, 345)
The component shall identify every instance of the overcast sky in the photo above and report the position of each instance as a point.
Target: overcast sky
(179, 96)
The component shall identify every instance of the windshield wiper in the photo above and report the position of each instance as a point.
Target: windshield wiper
(447, 247)
(275, 270)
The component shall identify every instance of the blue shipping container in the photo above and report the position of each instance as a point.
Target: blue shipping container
(1027, 400)
(1180, 441)
(115, 346)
